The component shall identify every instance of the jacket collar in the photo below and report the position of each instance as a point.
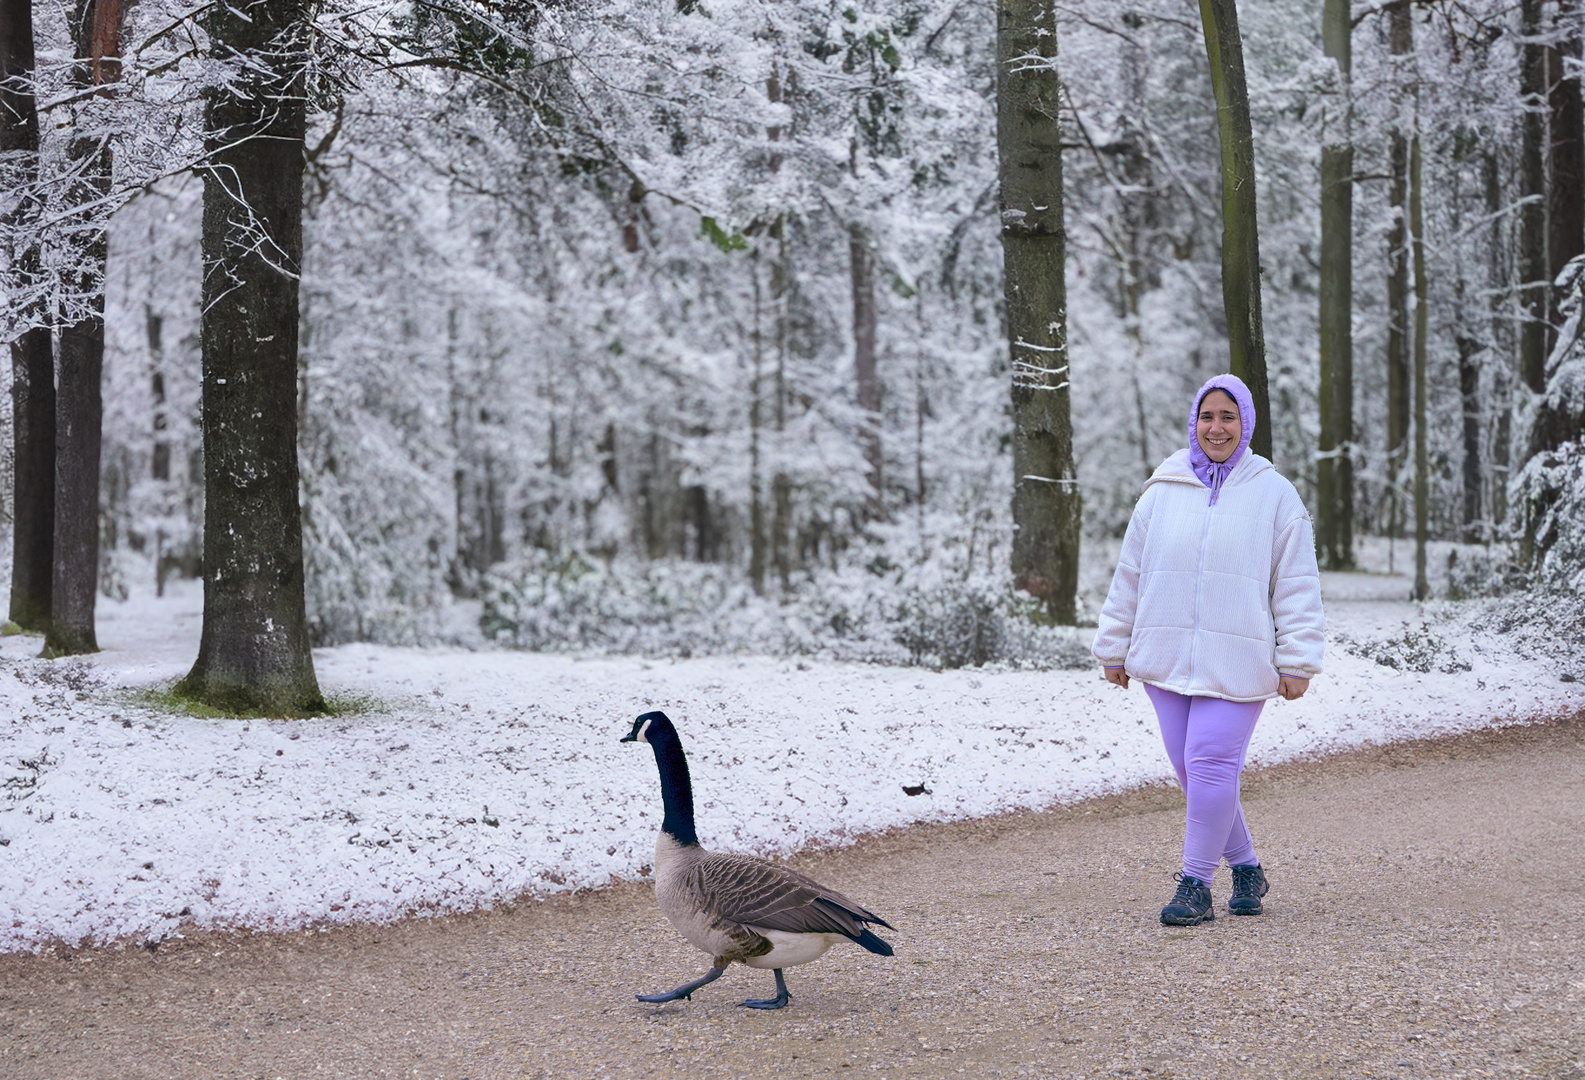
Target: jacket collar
(1178, 469)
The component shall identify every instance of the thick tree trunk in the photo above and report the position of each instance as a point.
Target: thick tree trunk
(867, 388)
(32, 362)
(254, 653)
(79, 407)
(1533, 280)
(1240, 233)
(1046, 501)
(1422, 293)
(1566, 152)
(1334, 472)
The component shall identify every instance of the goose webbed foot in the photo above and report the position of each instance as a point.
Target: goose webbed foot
(781, 1000)
(685, 990)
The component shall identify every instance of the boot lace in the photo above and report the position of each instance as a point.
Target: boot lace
(1246, 881)
(1188, 889)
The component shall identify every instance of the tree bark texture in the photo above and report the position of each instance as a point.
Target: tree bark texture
(1422, 295)
(1246, 340)
(79, 406)
(254, 653)
(867, 387)
(1565, 152)
(1533, 281)
(1334, 468)
(32, 362)
(1046, 500)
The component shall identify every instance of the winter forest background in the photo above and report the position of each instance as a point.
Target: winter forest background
(678, 325)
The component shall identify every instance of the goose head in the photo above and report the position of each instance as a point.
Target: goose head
(649, 723)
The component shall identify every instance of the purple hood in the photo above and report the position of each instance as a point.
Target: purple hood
(1210, 473)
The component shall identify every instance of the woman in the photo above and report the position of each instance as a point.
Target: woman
(1215, 607)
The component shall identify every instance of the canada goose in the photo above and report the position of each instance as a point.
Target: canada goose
(737, 907)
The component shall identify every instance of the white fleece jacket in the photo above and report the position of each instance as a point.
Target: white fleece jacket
(1215, 601)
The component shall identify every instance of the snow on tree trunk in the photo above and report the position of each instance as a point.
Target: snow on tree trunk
(1334, 524)
(254, 653)
(1246, 339)
(32, 366)
(1046, 499)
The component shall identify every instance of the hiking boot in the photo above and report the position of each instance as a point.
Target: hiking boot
(1192, 904)
(1249, 885)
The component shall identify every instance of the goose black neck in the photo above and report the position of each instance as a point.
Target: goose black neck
(676, 793)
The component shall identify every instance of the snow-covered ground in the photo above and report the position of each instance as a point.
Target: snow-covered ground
(483, 775)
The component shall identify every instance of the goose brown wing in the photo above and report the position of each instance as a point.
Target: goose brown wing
(756, 893)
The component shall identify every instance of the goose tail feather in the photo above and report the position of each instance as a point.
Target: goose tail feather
(873, 944)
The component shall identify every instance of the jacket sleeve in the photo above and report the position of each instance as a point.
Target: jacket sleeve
(1296, 600)
(1116, 624)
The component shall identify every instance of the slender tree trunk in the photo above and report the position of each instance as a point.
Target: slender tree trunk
(254, 652)
(1046, 501)
(79, 406)
(1566, 152)
(781, 483)
(32, 362)
(1401, 44)
(1335, 473)
(1246, 341)
(1422, 292)
(1469, 394)
(756, 494)
(1533, 282)
(866, 387)
(1498, 278)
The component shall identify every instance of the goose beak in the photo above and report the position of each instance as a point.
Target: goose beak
(631, 736)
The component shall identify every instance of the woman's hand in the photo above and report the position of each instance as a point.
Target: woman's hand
(1118, 677)
(1291, 687)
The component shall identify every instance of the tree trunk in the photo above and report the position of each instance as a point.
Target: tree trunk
(756, 511)
(867, 388)
(1533, 281)
(1401, 43)
(1469, 394)
(1046, 501)
(1566, 153)
(1334, 472)
(1240, 233)
(254, 652)
(1498, 278)
(79, 406)
(32, 362)
(1422, 291)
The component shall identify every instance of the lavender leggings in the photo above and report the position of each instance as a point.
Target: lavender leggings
(1206, 739)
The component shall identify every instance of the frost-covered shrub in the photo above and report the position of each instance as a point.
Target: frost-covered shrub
(875, 613)
(1416, 649)
(1548, 493)
(1478, 572)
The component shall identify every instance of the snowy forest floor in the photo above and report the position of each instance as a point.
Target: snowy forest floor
(460, 779)
(1423, 921)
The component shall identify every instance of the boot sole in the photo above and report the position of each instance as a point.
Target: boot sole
(1231, 910)
(1167, 920)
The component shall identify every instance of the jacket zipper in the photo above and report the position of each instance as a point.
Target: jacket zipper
(1199, 585)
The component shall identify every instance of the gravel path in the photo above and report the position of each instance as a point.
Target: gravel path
(1425, 920)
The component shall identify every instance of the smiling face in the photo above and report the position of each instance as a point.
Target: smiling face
(1218, 427)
